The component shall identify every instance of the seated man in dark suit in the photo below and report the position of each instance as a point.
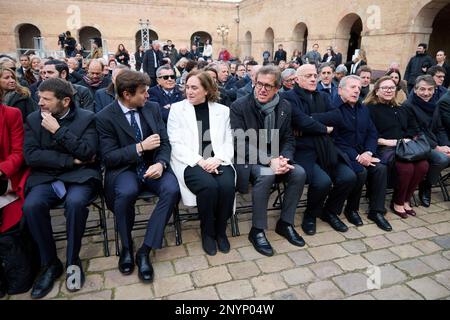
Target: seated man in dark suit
(136, 152)
(166, 92)
(106, 96)
(357, 139)
(60, 147)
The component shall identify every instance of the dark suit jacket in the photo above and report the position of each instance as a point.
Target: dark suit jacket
(138, 56)
(158, 95)
(51, 156)
(149, 62)
(103, 98)
(444, 109)
(82, 96)
(118, 144)
(244, 115)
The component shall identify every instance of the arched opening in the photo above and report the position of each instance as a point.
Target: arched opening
(199, 39)
(138, 37)
(27, 36)
(248, 44)
(440, 36)
(89, 34)
(348, 35)
(269, 42)
(300, 37)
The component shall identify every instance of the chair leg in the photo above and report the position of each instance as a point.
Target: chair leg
(116, 236)
(414, 201)
(104, 226)
(443, 189)
(177, 225)
(233, 224)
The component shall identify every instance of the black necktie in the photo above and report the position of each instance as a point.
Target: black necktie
(140, 166)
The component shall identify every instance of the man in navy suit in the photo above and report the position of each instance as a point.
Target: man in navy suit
(166, 92)
(153, 59)
(135, 150)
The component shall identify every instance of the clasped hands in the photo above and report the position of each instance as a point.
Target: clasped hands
(366, 160)
(210, 165)
(280, 165)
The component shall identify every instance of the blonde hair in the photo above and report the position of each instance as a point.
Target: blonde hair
(19, 88)
(372, 97)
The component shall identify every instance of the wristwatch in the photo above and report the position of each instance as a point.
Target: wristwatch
(164, 164)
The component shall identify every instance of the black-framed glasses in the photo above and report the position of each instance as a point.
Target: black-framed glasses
(172, 76)
(266, 86)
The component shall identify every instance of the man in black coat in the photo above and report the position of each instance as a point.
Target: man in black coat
(279, 55)
(329, 175)
(139, 58)
(166, 92)
(152, 60)
(135, 150)
(414, 67)
(94, 79)
(267, 157)
(441, 61)
(444, 109)
(60, 147)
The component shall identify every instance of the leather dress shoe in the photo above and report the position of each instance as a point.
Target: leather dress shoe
(72, 279)
(411, 212)
(402, 215)
(334, 221)
(209, 245)
(223, 244)
(145, 268)
(380, 221)
(288, 231)
(354, 218)
(46, 279)
(425, 194)
(260, 242)
(126, 262)
(309, 225)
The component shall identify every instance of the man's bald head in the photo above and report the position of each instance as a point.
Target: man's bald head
(307, 77)
(306, 69)
(95, 70)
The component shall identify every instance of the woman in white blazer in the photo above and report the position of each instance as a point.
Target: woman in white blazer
(203, 166)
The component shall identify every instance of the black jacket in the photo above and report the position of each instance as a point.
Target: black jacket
(139, 57)
(25, 104)
(51, 156)
(414, 67)
(118, 144)
(245, 115)
(158, 95)
(103, 98)
(149, 62)
(444, 109)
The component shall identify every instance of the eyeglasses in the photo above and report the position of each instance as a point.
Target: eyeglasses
(267, 87)
(386, 89)
(289, 80)
(172, 76)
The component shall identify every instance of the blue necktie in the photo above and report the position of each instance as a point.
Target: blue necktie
(140, 166)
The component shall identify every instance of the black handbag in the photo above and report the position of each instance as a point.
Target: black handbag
(413, 150)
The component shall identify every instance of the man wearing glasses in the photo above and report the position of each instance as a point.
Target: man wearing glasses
(438, 74)
(166, 92)
(265, 148)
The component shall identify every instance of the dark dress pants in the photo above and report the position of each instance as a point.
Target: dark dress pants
(336, 186)
(36, 208)
(215, 197)
(263, 178)
(127, 188)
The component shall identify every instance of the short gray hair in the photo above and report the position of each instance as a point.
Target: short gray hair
(344, 80)
(428, 79)
(341, 69)
(326, 65)
(275, 71)
(287, 73)
(162, 68)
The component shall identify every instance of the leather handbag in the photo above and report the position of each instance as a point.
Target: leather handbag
(413, 150)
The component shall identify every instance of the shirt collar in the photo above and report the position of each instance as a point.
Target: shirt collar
(65, 115)
(125, 110)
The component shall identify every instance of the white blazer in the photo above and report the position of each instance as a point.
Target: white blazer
(183, 136)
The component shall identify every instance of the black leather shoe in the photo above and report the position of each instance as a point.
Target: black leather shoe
(46, 279)
(126, 262)
(425, 194)
(309, 225)
(289, 233)
(260, 243)
(380, 221)
(223, 244)
(75, 277)
(145, 268)
(209, 245)
(354, 218)
(334, 221)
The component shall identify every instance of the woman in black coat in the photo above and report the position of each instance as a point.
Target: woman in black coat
(122, 55)
(394, 122)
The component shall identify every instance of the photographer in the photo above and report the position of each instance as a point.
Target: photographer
(69, 44)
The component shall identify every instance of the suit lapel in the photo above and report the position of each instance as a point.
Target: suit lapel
(191, 119)
(148, 117)
(121, 119)
(281, 115)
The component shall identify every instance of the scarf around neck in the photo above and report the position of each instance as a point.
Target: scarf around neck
(91, 83)
(427, 107)
(267, 109)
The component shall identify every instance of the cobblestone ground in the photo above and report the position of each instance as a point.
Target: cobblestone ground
(413, 261)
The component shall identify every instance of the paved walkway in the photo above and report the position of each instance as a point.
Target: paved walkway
(412, 262)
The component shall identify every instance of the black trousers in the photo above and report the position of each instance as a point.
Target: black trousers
(215, 197)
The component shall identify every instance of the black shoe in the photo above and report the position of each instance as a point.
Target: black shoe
(288, 231)
(309, 225)
(145, 268)
(126, 262)
(380, 221)
(260, 242)
(334, 221)
(209, 245)
(425, 194)
(223, 244)
(75, 277)
(354, 218)
(46, 279)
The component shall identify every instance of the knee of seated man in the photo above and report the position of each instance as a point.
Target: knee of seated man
(298, 173)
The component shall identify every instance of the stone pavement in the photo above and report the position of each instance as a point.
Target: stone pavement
(412, 262)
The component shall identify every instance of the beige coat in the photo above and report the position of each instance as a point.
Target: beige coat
(183, 136)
